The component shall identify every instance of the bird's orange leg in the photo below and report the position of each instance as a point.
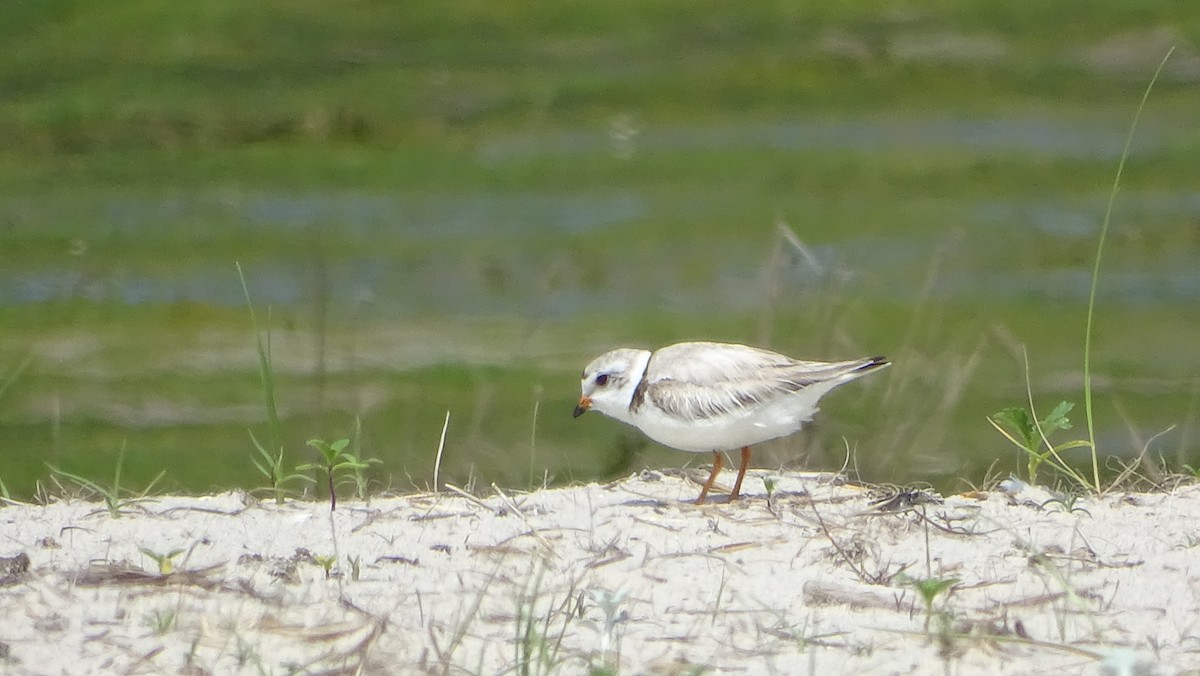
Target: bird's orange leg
(737, 485)
(711, 478)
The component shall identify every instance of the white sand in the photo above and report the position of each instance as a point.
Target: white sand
(627, 576)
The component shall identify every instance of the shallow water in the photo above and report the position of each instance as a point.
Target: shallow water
(980, 135)
(443, 279)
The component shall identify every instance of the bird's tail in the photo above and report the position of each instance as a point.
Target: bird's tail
(870, 364)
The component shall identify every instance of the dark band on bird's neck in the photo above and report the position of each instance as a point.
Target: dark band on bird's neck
(639, 392)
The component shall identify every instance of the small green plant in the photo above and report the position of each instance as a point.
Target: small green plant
(1032, 436)
(270, 455)
(607, 657)
(929, 589)
(1066, 503)
(533, 650)
(162, 620)
(326, 563)
(166, 562)
(115, 497)
(359, 472)
(270, 465)
(334, 460)
(355, 567)
(537, 648)
(1033, 432)
(769, 484)
(245, 654)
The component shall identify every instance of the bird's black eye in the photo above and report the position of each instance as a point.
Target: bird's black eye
(602, 379)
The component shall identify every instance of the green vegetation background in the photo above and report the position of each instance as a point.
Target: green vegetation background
(453, 206)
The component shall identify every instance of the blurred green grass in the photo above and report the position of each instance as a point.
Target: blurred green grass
(149, 145)
(144, 74)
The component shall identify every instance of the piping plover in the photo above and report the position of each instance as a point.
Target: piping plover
(712, 397)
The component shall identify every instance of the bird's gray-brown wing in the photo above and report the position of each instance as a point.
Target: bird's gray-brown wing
(695, 381)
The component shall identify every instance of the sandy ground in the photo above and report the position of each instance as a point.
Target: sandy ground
(621, 578)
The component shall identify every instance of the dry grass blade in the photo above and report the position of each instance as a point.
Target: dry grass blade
(104, 574)
(437, 462)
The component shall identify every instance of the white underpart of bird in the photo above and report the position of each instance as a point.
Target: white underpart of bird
(712, 397)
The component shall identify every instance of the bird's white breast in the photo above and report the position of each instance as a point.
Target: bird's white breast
(738, 428)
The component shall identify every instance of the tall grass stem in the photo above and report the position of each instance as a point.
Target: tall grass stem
(1087, 338)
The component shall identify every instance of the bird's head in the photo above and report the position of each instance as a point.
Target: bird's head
(608, 382)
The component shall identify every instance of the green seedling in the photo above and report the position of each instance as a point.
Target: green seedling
(166, 562)
(360, 470)
(271, 463)
(610, 605)
(115, 498)
(326, 564)
(270, 455)
(334, 460)
(244, 654)
(769, 484)
(1066, 502)
(162, 620)
(537, 646)
(355, 567)
(1032, 436)
(929, 589)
